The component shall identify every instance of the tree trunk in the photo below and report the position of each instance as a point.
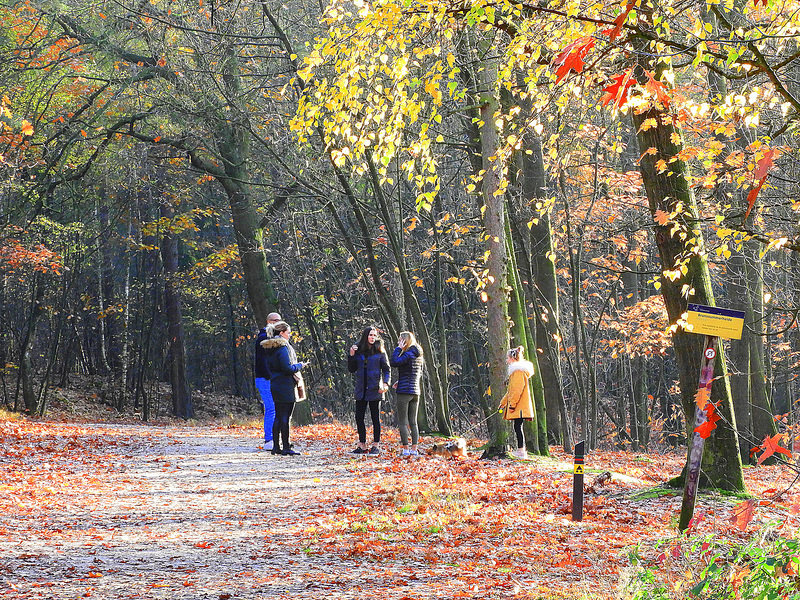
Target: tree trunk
(494, 226)
(546, 298)
(754, 417)
(686, 278)
(535, 430)
(26, 369)
(637, 369)
(739, 297)
(181, 397)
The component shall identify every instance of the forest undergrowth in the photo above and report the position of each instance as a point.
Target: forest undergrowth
(95, 508)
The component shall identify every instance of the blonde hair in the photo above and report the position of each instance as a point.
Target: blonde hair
(516, 353)
(275, 329)
(406, 339)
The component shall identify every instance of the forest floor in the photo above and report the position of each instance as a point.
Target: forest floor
(128, 510)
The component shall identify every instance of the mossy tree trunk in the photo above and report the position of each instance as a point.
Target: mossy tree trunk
(536, 429)
(685, 279)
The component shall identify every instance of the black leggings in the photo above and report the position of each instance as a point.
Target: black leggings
(518, 432)
(361, 412)
(280, 428)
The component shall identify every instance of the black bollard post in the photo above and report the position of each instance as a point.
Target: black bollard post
(577, 484)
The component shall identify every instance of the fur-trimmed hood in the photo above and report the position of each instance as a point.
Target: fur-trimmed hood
(518, 365)
(272, 343)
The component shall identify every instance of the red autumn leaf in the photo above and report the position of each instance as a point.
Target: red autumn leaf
(764, 165)
(760, 173)
(571, 57)
(618, 91)
(705, 429)
(771, 446)
(614, 32)
(711, 421)
(743, 514)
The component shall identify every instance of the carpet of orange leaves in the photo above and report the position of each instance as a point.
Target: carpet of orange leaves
(374, 526)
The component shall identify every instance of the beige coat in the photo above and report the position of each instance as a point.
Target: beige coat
(517, 401)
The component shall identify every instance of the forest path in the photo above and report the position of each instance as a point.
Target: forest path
(179, 513)
(124, 511)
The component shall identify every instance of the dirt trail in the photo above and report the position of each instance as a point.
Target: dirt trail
(194, 513)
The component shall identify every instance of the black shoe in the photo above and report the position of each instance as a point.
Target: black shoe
(276, 450)
(290, 452)
(374, 450)
(359, 450)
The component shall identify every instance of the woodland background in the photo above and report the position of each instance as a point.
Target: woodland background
(173, 170)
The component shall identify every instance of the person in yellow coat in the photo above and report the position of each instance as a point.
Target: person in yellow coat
(516, 405)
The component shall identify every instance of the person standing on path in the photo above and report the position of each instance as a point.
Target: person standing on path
(261, 373)
(283, 383)
(407, 357)
(369, 362)
(516, 405)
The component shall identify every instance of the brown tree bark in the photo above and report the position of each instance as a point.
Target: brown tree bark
(181, 396)
(686, 279)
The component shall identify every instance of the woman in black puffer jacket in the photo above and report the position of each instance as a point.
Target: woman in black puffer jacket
(407, 357)
(368, 361)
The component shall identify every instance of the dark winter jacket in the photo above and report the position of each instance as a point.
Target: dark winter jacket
(409, 370)
(260, 369)
(370, 371)
(281, 369)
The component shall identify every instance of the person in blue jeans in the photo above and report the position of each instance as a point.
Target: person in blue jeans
(262, 376)
(369, 362)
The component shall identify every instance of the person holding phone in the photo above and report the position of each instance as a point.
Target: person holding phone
(368, 361)
(282, 366)
(407, 357)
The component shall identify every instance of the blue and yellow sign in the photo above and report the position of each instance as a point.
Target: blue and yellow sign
(710, 320)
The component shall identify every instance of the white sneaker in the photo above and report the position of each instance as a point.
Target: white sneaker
(405, 452)
(520, 453)
(269, 445)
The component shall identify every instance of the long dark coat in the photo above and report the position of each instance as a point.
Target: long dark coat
(281, 369)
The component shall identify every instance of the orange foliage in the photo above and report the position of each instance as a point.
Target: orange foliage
(14, 255)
